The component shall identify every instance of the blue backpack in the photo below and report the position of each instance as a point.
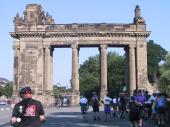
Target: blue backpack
(161, 102)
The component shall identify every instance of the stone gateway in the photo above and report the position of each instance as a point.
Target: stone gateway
(36, 35)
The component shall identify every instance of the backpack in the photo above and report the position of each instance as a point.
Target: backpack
(161, 102)
(95, 100)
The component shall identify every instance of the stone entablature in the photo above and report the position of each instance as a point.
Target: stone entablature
(60, 34)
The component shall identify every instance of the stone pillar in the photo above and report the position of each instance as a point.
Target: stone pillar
(16, 71)
(132, 69)
(103, 72)
(48, 83)
(141, 64)
(51, 67)
(126, 68)
(75, 75)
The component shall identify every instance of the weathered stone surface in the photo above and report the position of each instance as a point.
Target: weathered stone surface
(36, 35)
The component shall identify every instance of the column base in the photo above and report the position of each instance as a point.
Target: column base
(47, 99)
(75, 98)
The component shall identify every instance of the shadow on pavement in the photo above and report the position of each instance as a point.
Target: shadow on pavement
(74, 119)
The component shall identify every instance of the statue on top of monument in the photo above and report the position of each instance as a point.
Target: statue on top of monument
(138, 19)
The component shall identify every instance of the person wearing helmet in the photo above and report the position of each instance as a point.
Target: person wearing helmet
(28, 112)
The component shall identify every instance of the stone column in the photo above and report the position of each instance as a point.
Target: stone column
(48, 85)
(16, 70)
(132, 69)
(103, 73)
(126, 66)
(51, 69)
(75, 75)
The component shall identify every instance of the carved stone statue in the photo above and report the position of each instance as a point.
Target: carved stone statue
(138, 19)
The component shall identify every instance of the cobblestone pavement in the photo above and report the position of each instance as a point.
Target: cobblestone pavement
(71, 117)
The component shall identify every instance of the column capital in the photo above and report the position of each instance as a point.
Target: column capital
(47, 47)
(103, 47)
(74, 46)
(132, 46)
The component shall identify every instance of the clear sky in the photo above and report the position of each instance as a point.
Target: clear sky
(155, 12)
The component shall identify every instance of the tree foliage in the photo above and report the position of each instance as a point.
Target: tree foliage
(164, 82)
(116, 73)
(155, 54)
(7, 89)
(56, 91)
(90, 74)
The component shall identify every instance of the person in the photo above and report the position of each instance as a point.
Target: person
(140, 100)
(107, 107)
(160, 108)
(84, 106)
(133, 111)
(28, 112)
(58, 102)
(115, 106)
(95, 105)
(122, 105)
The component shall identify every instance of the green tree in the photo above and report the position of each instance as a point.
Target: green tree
(56, 91)
(90, 74)
(155, 54)
(8, 89)
(116, 73)
(164, 82)
(1, 91)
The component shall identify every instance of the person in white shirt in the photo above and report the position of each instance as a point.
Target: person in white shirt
(115, 106)
(84, 106)
(107, 107)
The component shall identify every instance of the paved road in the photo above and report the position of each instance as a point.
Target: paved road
(71, 117)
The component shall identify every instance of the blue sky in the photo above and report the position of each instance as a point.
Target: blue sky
(155, 12)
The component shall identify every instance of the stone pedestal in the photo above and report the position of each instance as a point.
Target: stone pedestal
(47, 100)
(75, 99)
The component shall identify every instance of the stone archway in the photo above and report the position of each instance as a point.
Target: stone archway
(36, 35)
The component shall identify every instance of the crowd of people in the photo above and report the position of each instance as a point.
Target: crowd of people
(139, 107)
